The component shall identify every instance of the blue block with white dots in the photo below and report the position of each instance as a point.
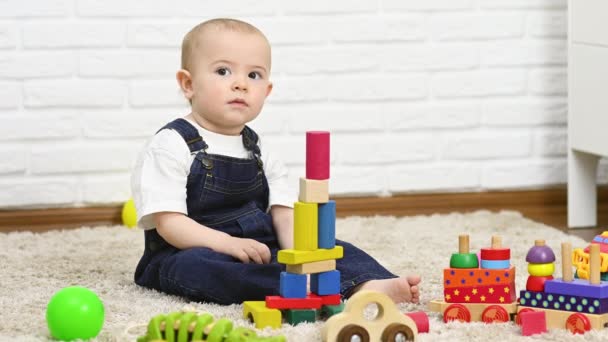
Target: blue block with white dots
(327, 225)
(325, 283)
(563, 302)
(292, 285)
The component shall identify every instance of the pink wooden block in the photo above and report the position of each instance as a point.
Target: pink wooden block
(533, 322)
(317, 155)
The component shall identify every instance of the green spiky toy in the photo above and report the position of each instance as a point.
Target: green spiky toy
(194, 327)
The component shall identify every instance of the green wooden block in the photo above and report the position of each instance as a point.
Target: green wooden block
(464, 260)
(295, 316)
(327, 311)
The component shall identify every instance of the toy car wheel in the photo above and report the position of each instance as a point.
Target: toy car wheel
(578, 323)
(518, 317)
(495, 313)
(352, 333)
(457, 312)
(397, 332)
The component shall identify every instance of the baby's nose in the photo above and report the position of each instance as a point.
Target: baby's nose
(239, 84)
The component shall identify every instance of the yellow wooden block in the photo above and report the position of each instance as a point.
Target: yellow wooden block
(314, 191)
(261, 315)
(306, 226)
(292, 256)
(541, 270)
(312, 267)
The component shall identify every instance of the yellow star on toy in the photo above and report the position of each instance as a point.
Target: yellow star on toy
(506, 289)
(491, 290)
(456, 292)
(483, 298)
(502, 299)
(448, 297)
(474, 291)
(467, 298)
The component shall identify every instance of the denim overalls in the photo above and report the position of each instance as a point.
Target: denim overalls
(231, 195)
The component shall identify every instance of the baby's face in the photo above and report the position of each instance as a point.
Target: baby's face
(230, 80)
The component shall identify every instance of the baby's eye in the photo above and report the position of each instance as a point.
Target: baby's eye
(255, 75)
(222, 71)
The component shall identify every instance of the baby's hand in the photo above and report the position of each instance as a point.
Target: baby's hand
(247, 250)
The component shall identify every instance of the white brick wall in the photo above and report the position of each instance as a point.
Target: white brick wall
(425, 96)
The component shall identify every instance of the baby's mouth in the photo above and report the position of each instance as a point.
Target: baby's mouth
(238, 102)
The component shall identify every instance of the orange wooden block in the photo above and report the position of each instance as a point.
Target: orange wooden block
(459, 277)
(497, 293)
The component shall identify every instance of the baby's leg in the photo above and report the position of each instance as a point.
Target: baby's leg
(201, 274)
(400, 290)
(360, 271)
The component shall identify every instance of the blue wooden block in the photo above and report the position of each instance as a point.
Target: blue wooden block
(495, 264)
(563, 302)
(292, 285)
(327, 225)
(325, 283)
(577, 287)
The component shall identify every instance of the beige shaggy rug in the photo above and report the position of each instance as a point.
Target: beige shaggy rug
(34, 266)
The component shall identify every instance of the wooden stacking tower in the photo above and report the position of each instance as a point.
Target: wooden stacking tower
(314, 253)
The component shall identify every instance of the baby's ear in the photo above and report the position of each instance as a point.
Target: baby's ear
(269, 90)
(184, 79)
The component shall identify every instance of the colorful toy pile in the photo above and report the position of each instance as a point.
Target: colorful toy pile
(473, 293)
(580, 258)
(192, 326)
(575, 304)
(315, 251)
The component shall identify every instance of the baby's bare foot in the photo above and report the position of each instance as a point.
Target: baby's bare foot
(400, 290)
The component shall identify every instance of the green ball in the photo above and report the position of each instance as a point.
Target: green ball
(74, 313)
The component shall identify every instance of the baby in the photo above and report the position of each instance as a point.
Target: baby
(215, 209)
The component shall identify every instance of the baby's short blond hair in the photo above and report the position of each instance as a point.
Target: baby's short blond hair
(192, 39)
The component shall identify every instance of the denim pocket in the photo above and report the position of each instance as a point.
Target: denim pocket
(255, 224)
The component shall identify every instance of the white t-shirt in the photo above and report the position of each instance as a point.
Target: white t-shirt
(158, 181)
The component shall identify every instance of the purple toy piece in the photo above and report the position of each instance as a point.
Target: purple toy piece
(540, 254)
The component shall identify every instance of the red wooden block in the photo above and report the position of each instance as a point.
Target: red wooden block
(537, 284)
(278, 302)
(334, 299)
(518, 316)
(496, 294)
(495, 253)
(317, 155)
(421, 319)
(533, 322)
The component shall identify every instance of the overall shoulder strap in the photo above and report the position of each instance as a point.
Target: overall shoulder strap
(250, 141)
(188, 132)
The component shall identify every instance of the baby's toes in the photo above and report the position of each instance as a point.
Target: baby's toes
(414, 290)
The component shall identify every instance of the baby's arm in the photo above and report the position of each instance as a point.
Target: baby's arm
(282, 220)
(183, 232)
